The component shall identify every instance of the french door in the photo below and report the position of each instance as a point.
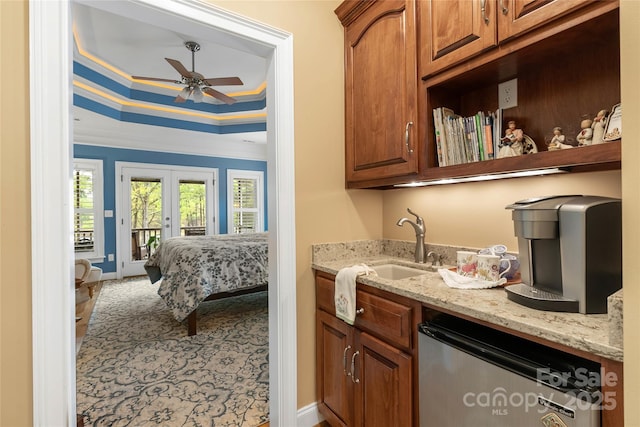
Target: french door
(157, 202)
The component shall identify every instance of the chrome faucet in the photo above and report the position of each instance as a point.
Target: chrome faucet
(418, 226)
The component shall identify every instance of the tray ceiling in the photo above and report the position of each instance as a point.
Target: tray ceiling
(109, 48)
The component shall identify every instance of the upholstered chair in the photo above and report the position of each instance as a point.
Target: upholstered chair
(87, 275)
(83, 269)
(95, 276)
(82, 272)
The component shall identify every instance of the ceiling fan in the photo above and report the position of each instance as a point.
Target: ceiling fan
(195, 83)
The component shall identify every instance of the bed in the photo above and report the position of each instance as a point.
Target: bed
(195, 269)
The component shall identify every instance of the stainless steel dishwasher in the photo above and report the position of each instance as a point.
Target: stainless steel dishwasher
(474, 376)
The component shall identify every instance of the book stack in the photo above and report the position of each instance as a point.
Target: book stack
(466, 139)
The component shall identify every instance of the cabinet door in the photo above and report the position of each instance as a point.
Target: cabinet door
(381, 92)
(452, 31)
(519, 16)
(334, 342)
(383, 388)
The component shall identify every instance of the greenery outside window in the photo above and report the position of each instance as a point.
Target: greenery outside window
(88, 215)
(245, 201)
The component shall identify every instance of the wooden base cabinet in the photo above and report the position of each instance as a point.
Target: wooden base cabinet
(334, 347)
(367, 373)
(362, 380)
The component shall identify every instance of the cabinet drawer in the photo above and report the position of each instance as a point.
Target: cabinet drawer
(324, 294)
(380, 316)
(387, 319)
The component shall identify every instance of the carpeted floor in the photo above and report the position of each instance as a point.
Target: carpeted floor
(138, 367)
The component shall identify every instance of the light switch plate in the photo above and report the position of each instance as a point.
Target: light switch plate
(508, 94)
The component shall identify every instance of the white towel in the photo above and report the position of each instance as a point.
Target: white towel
(455, 280)
(345, 291)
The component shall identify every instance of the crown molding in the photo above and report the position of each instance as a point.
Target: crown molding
(177, 141)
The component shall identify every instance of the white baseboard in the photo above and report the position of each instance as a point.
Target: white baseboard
(308, 416)
(109, 276)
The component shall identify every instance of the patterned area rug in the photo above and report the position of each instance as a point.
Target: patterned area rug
(138, 367)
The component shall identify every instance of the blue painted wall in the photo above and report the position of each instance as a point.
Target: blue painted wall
(111, 155)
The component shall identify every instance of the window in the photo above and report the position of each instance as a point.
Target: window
(245, 202)
(88, 224)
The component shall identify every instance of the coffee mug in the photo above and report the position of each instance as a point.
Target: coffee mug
(499, 250)
(510, 265)
(489, 267)
(467, 263)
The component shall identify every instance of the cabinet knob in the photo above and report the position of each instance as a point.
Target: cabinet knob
(406, 137)
(504, 8)
(483, 8)
(360, 311)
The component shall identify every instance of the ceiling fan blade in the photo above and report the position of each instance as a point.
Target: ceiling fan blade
(219, 95)
(223, 81)
(184, 94)
(155, 79)
(179, 67)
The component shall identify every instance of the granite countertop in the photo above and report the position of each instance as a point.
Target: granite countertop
(589, 333)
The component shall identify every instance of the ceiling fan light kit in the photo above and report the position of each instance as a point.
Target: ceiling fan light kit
(197, 94)
(195, 83)
(184, 94)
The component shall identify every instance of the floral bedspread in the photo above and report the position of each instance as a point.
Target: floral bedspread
(194, 267)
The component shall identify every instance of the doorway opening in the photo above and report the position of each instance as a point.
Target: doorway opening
(51, 148)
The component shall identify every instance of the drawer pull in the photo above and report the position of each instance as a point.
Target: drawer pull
(406, 137)
(359, 311)
(344, 360)
(483, 7)
(353, 368)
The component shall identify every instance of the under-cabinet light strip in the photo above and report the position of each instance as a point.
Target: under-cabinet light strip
(483, 177)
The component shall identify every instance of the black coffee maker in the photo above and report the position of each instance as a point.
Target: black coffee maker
(570, 251)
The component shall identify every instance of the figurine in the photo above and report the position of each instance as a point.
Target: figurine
(529, 145)
(515, 142)
(585, 137)
(598, 126)
(614, 134)
(511, 143)
(557, 142)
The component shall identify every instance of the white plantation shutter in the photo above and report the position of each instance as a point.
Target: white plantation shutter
(245, 202)
(84, 217)
(87, 208)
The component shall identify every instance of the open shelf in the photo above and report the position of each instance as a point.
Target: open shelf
(562, 79)
(579, 159)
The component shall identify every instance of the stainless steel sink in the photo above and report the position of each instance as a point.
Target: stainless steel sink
(396, 272)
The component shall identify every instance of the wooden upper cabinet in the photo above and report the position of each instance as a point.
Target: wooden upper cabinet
(518, 16)
(452, 31)
(403, 58)
(380, 89)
